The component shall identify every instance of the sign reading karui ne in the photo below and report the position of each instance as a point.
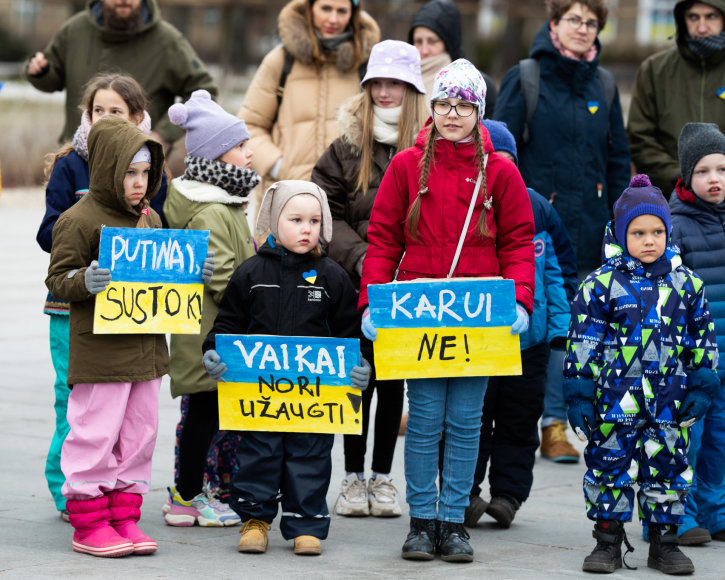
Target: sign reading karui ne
(156, 285)
(289, 383)
(444, 328)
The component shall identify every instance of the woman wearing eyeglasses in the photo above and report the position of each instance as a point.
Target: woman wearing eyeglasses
(573, 150)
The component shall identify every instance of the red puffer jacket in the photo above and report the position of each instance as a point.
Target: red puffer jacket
(508, 252)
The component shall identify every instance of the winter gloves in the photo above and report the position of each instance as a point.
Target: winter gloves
(522, 320)
(702, 386)
(207, 269)
(368, 328)
(213, 364)
(579, 394)
(360, 376)
(97, 278)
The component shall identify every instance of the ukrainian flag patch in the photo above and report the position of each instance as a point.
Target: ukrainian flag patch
(721, 93)
(593, 106)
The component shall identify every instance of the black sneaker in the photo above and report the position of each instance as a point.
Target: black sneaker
(474, 511)
(503, 509)
(664, 554)
(421, 541)
(453, 543)
(606, 557)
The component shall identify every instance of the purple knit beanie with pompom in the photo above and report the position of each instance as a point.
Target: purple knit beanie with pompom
(210, 130)
(640, 198)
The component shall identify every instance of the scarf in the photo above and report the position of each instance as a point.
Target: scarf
(429, 68)
(80, 138)
(232, 179)
(385, 124)
(705, 47)
(588, 56)
(332, 43)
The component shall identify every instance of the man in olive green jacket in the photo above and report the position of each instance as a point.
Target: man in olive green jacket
(126, 36)
(681, 84)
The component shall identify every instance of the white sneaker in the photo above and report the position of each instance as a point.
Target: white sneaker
(353, 499)
(383, 497)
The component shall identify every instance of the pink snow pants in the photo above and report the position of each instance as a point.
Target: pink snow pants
(113, 429)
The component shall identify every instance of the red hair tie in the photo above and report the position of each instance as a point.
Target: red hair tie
(145, 211)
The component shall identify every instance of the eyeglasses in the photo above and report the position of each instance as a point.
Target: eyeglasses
(575, 23)
(463, 109)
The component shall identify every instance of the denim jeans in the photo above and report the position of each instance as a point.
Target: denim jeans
(452, 405)
(554, 403)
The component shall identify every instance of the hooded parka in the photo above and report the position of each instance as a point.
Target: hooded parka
(674, 87)
(104, 358)
(577, 155)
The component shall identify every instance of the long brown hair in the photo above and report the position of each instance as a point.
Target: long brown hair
(127, 88)
(318, 57)
(413, 114)
(427, 160)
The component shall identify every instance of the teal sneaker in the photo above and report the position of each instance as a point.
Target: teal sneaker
(203, 510)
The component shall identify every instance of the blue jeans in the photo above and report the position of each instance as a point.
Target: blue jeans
(452, 405)
(554, 403)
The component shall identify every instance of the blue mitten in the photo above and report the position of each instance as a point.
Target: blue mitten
(579, 394)
(207, 268)
(702, 386)
(368, 328)
(213, 364)
(522, 320)
(97, 278)
(360, 376)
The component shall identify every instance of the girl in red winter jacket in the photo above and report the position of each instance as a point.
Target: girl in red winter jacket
(415, 226)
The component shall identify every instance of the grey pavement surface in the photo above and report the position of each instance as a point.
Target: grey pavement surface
(548, 539)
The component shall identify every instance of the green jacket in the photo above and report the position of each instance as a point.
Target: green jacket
(104, 358)
(193, 205)
(156, 55)
(672, 88)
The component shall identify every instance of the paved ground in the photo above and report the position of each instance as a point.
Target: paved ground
(549, 537)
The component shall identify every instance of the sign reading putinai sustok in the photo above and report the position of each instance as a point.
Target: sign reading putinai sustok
(444, 328)
(156, 284)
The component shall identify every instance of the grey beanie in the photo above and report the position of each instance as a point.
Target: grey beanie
(278, 194)
(696, 141)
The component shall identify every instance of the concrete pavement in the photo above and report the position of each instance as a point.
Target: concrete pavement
(548, 539)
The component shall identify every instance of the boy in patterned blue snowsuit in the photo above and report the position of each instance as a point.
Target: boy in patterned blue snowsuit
(641, 350)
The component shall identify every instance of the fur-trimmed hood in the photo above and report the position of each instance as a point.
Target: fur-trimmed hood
(350, 121)
(292, 29)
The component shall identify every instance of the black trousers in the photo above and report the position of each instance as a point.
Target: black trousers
(388, 413)
(291, 468)
(509, 427)
(197, 431)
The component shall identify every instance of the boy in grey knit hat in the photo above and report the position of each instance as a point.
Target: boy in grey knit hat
(698, 228)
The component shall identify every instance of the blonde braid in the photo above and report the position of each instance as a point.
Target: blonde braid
(481, 226)
(425, 162)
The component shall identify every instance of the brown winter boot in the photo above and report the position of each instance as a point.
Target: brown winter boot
(555, 446)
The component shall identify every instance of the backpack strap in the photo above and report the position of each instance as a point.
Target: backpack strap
(609, 85)
(289, 60)
(529, 80)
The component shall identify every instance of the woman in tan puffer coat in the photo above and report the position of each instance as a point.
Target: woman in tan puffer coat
(328, 42)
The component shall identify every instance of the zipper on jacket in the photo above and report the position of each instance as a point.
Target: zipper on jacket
(702, 89)
(600, 188)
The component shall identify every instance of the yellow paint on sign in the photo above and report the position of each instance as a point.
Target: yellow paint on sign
(411, 353)
(323, 409)
(149, 308)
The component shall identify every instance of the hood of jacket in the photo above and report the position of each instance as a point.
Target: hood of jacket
(681, 34)
(552, 60)
(292, 29)
(112, 143)
(150, 17)
(617, 257)
(349, 119)
(443, 18)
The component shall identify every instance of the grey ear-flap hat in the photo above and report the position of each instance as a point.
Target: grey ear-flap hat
(278, 194)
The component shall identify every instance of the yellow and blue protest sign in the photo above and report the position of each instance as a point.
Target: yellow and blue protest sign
(156, 285)
(289, 383)
(444, 328)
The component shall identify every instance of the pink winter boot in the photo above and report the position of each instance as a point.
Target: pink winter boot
(125, 512)
(93, 533)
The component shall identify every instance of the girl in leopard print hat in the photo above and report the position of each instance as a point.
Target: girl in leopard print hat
(211, 195)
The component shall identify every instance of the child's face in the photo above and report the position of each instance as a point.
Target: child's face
(299, 223)
(387, 93)
(109, 102)
(646, 238)
(136, 182)
(240, 155)
(708, 178)
(451, 125)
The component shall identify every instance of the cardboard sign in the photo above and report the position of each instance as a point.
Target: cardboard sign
(444, 328)
(156, 285)
(282, 383)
